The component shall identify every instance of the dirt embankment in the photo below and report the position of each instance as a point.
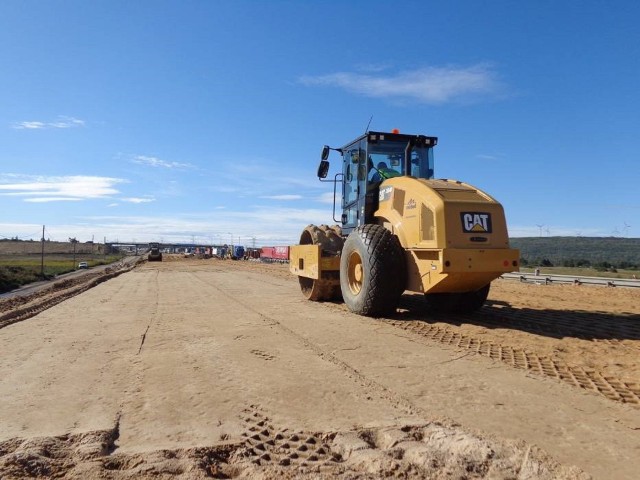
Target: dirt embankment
(17, 308)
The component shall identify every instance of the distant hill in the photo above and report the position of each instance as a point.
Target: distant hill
(621, 252)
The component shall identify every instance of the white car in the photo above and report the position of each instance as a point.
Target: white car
(83, 265)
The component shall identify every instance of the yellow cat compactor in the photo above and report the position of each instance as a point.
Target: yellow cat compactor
(401, 229)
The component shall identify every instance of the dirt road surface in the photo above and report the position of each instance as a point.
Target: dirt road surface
(209, 368)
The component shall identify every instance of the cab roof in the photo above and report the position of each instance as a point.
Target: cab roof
(375, 137)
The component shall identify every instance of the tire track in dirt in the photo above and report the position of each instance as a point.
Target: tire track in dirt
(424, 451)
(264, 442)
(593, 327)
(588, 379)
(266, 450)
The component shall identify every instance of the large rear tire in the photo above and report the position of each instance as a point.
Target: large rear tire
(466, 302)
(372, 271)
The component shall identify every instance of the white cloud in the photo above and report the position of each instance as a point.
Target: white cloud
(138, 199)
(433, 85)
(156, 162)
(216, 225)
(51, 199)
(29, 125)
(61, 122)
(283, 197)
(486, 157)
(67, 122)
(62, 188)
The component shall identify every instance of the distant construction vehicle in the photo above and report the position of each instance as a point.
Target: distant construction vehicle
(236, 252)
(401, 229)
(155, 255)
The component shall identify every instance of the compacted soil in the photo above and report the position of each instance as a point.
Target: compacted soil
(192, 368)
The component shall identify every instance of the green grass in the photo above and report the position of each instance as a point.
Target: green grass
(18, 270)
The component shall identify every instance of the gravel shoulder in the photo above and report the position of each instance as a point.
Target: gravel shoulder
(200, 368)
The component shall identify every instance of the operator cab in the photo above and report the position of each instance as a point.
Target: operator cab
(393, 155)
(368, 161)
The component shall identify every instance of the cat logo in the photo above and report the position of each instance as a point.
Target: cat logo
(476, 222)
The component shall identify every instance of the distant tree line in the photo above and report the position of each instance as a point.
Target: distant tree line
(16, 239)
(572, 263)
(600, 253)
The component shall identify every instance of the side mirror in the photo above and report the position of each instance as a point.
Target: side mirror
(325, 152)
(323, 168)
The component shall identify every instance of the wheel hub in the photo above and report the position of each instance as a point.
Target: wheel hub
(358, 273)
(355, 273)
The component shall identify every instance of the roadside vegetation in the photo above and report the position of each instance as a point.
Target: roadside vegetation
(18, 270)
(583, 272)
(580, 251)
(610, 257)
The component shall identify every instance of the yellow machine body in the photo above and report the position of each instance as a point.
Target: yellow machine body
(454, 235)
(401, 229)
(307, 261)
(316, 262)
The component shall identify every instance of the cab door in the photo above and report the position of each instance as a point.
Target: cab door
(354, 170)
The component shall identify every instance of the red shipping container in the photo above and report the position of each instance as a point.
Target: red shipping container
(281, 253)
(266, 253)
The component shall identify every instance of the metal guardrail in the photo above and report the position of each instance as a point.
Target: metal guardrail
(574, 280)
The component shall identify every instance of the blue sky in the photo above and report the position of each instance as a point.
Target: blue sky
(204, 120)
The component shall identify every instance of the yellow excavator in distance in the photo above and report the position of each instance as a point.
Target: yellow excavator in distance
(401, 229)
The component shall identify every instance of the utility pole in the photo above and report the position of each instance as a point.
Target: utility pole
(74, 241)
(42, 256)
